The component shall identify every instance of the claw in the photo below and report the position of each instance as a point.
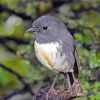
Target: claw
(52, 89)
(62, 88)
(76, 89)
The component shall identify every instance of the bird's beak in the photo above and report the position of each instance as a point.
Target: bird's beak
(31, 30)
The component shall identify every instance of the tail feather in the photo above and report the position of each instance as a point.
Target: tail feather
(70, 78)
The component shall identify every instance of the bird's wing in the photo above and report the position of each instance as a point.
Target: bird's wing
(72, 76)
(69, 47)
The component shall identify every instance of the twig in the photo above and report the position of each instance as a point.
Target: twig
(14, 39)
(44, 93)
(5, 40)
(19, 77)
(15, 92)
(9, 48)
(10, 11)
(56, 4)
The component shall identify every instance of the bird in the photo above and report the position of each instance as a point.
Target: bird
(55, 47)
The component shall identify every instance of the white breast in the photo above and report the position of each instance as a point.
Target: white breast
(50, 57)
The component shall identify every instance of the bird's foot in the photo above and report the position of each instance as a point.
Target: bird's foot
(74, 92)
(62, 88)
(76, 89)
(52, 89)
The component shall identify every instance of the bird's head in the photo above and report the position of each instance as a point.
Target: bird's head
(47, 28)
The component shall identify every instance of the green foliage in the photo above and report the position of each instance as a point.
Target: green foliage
(87, 22)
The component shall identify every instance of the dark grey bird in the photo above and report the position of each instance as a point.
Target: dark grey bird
(55, 48)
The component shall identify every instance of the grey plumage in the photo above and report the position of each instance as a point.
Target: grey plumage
(51, 30)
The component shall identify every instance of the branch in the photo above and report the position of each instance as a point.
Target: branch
(47, 93)
(55, 4)
(19, 77)
(14, 39)
(19, 41)
(9, 48)
(10, 11)
(87, 9)
(15, 92)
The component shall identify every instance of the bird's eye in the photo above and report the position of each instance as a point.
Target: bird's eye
(45, 27)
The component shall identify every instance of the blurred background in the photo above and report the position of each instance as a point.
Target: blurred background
(21, 75)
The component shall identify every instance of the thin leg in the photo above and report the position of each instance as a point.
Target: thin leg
(52, 87)
(73, 76)
(68, 81)
(53, 84)
(70, 78)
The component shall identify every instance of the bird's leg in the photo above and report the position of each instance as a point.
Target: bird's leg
(52, 87)
(53, 84)
(73, 84)
(74, 78)
(70, 78)
(76, 86)
(68, 81)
